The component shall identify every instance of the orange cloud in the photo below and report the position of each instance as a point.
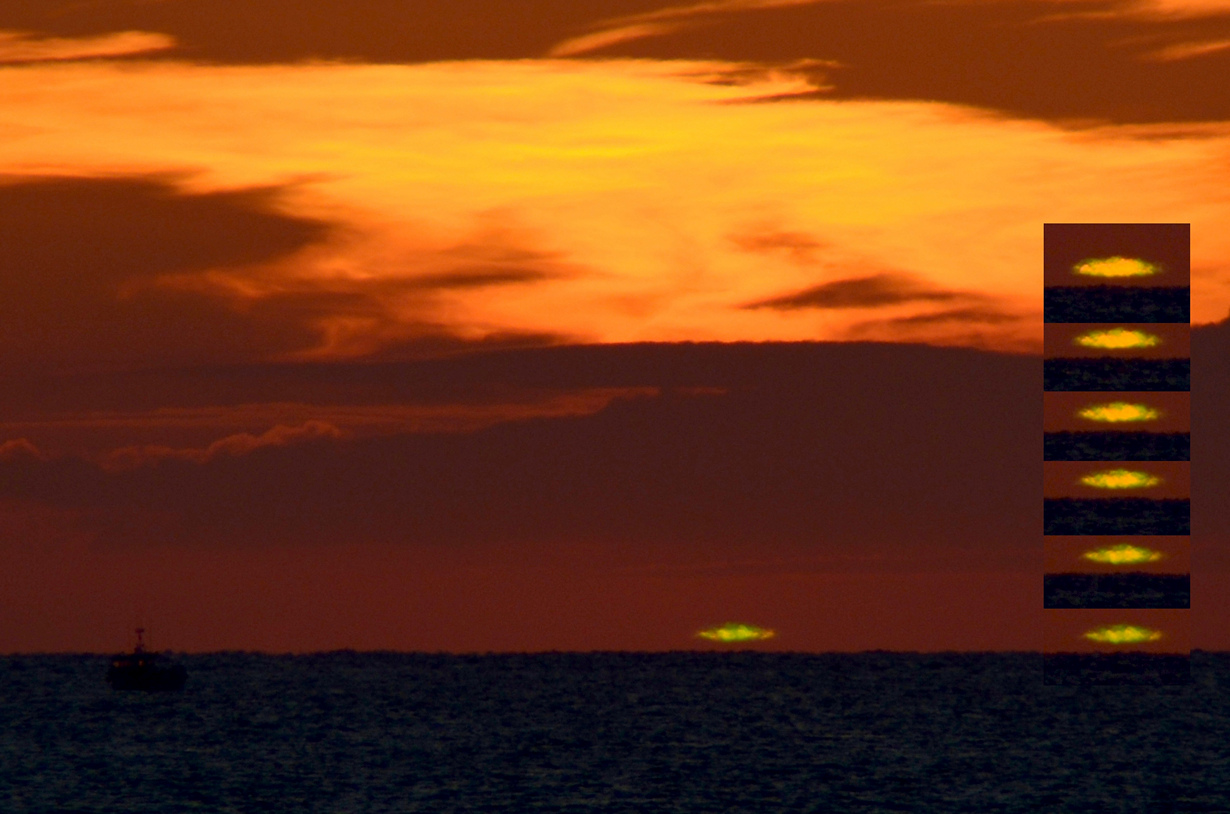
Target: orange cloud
(609, 201)
(18, 46)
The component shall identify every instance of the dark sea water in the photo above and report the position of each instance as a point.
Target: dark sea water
(1116, 303)
(619, 732)
(1134, 589)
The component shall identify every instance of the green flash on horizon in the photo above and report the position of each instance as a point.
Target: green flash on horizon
(1123, 554)
(1122, 634)
(734, 632)
(1119, 411)
(1120, 479)
(1111, 267)
(1117, 339)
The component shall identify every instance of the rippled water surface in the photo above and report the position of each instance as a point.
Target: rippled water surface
(669, 732)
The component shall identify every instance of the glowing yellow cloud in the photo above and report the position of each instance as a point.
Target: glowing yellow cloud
(1122, 634)
(1123, 554)
(1116, 267)
(1120, 479)
(1117, 339)
(734, 632)
(1118, 411)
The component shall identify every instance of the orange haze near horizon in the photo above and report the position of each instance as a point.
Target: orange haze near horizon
(472, 325)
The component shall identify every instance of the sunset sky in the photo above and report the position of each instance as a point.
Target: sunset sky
(480, 325)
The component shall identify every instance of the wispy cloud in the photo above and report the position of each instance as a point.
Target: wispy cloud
(800, 246)
(984, 316)
(19, 448)
(875, 291)
(611, 36)
(707, 7)
(969, 325)
(19, 46)
(233, 445)
(361, 419)
(1173, 8)
(658, 23)
(1188, 50)
(90, 434)
(1152, 10)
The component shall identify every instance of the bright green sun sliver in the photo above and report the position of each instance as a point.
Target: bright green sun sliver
(1123, 554)
(1116, 267)
(1117, 411)
(1118, 339)
(1123, 634)
(733, 632)
(1120, 479)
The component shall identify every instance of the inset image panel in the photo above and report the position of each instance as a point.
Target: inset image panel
(1116, 497)
(1116, 426)
(1105, 272)
(1117, 572)
(1108, 647)
(1101, 356)
(1121, 340)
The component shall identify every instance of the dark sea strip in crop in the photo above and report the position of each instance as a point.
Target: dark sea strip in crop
(1116, 515)
(1116, 446)
(1105, 373)
(1109, 303)
(1135, 589)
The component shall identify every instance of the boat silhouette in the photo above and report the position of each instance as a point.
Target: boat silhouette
(141, 670)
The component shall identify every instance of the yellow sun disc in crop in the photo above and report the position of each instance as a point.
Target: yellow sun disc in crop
(1122, 634)
(1112, 267)
(1119, 411)
(1120, 479)
(1123, 554)
(733, 632)
(1117, 339)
